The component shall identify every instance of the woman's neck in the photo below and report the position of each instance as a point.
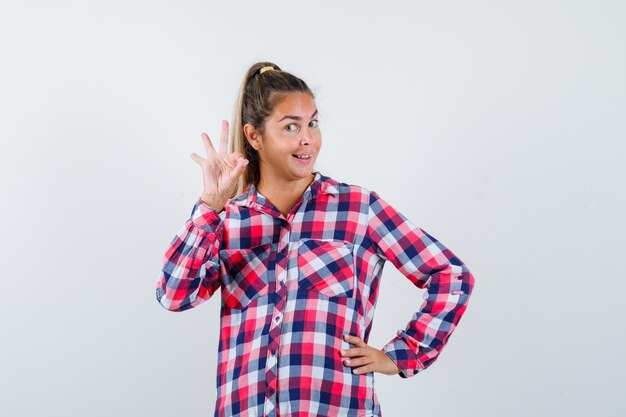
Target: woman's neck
(284, 194)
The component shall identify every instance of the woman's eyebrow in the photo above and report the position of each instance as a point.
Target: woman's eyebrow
(296, 117)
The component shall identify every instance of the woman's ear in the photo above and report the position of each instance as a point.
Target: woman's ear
(252, 136)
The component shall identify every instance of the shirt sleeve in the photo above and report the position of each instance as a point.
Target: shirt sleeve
(428, 264)
(190, 273)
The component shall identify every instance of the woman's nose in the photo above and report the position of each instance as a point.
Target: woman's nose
(308, 135)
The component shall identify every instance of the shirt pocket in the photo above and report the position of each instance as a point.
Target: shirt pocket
(244, 275)
(326, 267)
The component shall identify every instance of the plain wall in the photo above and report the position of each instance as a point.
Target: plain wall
(496, 126)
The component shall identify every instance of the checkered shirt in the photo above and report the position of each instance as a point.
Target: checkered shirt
(292, 286)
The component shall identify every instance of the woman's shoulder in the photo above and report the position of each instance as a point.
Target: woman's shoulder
(331, 184)
(348, 192)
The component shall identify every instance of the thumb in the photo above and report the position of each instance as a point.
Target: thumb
(239, 168)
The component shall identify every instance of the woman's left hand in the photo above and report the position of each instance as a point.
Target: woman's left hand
(367, 359)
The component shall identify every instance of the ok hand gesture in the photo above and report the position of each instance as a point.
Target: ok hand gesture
(220, 170)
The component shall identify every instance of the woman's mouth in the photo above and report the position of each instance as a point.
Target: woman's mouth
(303, 159)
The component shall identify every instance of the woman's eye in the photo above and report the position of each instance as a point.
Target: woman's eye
(313, 123)
(291, 127)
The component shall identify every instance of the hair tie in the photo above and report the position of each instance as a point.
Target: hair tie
(268, 68)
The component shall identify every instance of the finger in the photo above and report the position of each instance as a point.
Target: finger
(360, 361)
(224, 137)
(239, 168)
(197, 158)
(228, 162)
(354, 352)
(363, 369)
(208, 146)
(233, 160)
(355, 340)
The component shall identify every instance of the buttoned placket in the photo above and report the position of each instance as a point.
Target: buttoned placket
(271, 366)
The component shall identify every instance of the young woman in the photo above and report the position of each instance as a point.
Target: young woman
(298, 258)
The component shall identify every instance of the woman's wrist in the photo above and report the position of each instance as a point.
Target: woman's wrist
(213, 202)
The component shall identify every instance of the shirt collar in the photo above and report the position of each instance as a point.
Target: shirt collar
(321, 184)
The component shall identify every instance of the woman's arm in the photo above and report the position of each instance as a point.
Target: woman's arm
(191, 263)
(430, 265)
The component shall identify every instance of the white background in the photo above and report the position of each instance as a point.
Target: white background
(496, 126)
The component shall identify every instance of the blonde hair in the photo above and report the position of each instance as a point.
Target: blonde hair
(259, 93)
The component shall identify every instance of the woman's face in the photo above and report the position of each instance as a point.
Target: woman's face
(292, 138)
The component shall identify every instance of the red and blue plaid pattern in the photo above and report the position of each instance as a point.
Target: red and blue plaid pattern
(291, 287)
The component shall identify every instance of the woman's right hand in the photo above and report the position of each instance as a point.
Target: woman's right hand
(220, 170)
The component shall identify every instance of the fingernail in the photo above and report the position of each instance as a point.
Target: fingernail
(347, 361)
(343, 353)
